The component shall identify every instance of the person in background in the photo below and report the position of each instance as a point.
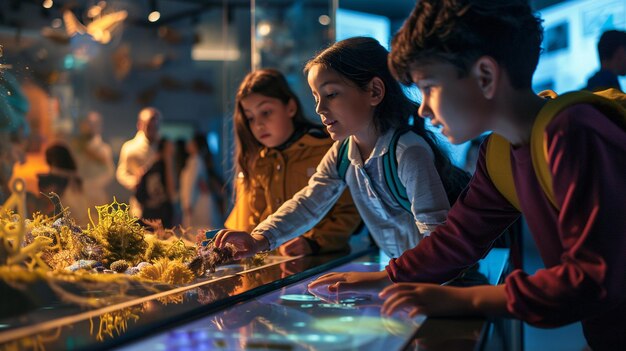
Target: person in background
(138, 154)
(156, 192)
(63, 180)
(612, 54)
(199, 194)
(13, 129)
(94, 159)
(358, 99)
(276, 152)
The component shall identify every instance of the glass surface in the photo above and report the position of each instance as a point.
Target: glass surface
(53, 316)
(293, 319)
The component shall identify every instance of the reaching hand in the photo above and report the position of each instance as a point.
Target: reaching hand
(295, 247)
(439, 301)
(245, 244)
(371, 282)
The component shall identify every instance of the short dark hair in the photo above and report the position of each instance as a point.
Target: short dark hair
(59, 156)
(461, 31)
(609, 42)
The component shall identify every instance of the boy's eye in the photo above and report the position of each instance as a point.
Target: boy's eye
(331, 95)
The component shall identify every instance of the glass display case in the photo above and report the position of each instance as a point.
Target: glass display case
(262, 306)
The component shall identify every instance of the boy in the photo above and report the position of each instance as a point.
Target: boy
(473, 61)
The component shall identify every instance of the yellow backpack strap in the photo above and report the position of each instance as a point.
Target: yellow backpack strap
(499, 168)
(611, 102)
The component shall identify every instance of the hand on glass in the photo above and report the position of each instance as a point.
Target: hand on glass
(246, 245)
(351, 282)
(440, 301)
(295, 247)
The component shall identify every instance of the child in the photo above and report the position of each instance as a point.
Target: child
(277, 151)
(473, 62)
(357, 98)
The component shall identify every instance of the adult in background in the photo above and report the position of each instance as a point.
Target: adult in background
(138, 154)
(612, 53)
(94, 159)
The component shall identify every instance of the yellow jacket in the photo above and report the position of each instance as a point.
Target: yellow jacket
(277, 176)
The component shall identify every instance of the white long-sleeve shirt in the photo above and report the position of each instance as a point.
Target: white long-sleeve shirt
(394, 229)
(136, 156)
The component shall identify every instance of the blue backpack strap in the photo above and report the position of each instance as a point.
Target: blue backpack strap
(390, 168)
(342, 159)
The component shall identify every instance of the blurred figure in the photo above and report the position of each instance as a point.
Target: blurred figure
(63, 179)
(94, 159)
(138, 154)
(200, 187)
(612, 54)
(156, 191)
(13, 129)
(180, 157)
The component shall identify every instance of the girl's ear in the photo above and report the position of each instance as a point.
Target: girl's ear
(377, 91)
(292, 108)
(486, 71)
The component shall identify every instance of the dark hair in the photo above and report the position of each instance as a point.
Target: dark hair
(609, 42)
(267, 82)
(360, 59)
(59, 156)
(461, 31)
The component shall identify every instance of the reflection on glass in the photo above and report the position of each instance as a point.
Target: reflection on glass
(293, 319)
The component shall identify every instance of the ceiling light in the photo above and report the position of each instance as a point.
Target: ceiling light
(154, 16)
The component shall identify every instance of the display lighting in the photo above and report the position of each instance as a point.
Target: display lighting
(154, 13)
(154, 16)
(47, 4)
(264, 29)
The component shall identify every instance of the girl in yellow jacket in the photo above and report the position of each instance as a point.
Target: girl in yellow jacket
(276, 152)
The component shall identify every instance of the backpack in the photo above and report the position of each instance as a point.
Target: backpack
(611, 102)
(390, 169)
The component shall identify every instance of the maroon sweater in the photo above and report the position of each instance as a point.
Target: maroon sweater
(583, 246)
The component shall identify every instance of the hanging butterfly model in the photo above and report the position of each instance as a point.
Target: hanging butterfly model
(99, 30)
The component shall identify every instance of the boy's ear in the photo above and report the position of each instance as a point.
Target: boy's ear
(377, 91)
(487, 73)
(292, 108)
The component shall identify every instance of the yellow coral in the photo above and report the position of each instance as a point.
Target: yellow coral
(165, 271)
(177, 274)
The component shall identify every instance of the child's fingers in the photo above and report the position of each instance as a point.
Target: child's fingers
(326, 279)
(414, 312)
(219, 237)
(396, 288)
(397, 301)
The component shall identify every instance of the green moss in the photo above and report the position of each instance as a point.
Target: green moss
(119, 234)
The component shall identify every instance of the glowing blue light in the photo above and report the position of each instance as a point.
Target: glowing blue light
(299, 297)
(299, 324)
